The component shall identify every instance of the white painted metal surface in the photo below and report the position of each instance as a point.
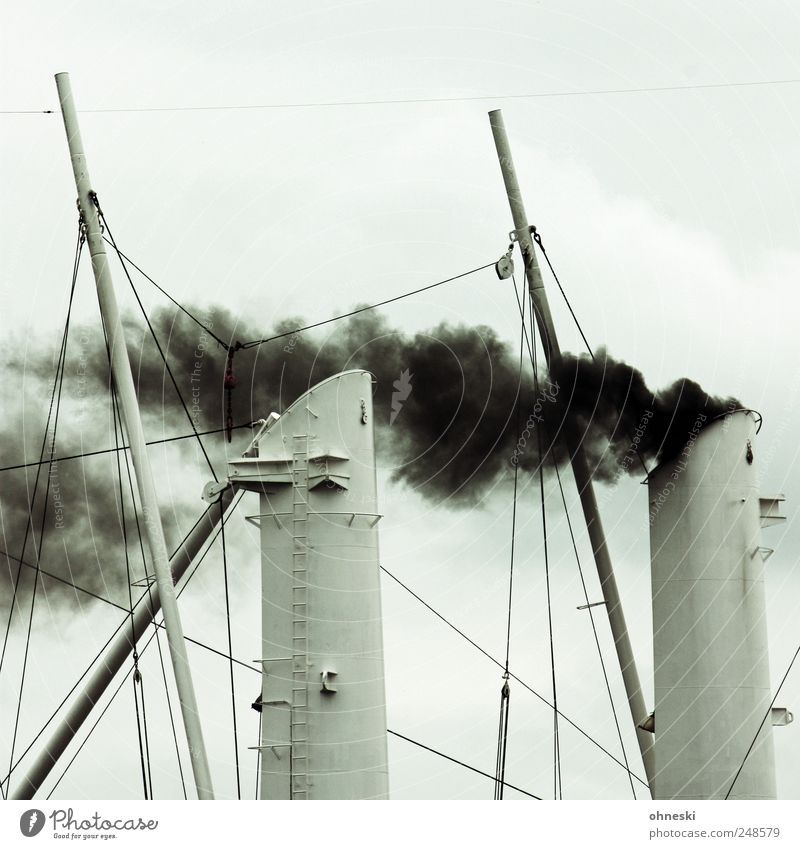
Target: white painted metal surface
(324, 714)
(712, 684)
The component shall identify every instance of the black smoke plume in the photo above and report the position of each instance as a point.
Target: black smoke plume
(453, 418)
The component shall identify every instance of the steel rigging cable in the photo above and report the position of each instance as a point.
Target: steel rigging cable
(144, 648)
(511, 674)
(254, 343)
(156, 629)
(630, 774)
(460, 763)
(144, 749)
(96, 203)
(119, 627)
(51, 460)
(230, 649)
(55, 397)
(505, 690)
(125, 447)
(763, 720)
(557, 786)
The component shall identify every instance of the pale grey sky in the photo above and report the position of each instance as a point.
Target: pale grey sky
(672, 217)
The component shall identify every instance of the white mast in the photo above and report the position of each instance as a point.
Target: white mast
(583, 480)
(123, 381)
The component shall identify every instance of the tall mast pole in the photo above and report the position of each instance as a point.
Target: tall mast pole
(580, 468)
(123, 381)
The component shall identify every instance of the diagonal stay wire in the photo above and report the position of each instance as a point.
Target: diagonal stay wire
(511, 674)
(230, 651)
(125, 258)
(764, 719)
(366, 308)
(591, 615)
(41, 462)
(460, 763)
(155, 338)
(255, 342)
(538, 239)
(505, 695)
(146, 645)
(557, 784)
(59, 379)
(110, 603)
(96, 723)
(594, 631)
(125, 447)
(145, 766)
(156, 628)
(522, 335)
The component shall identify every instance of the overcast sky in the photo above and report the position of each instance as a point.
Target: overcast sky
(671, 215)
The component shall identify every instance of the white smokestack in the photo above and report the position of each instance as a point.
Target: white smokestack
(712, 683)
(323, 711)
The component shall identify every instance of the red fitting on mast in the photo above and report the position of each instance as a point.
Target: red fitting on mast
(230, 381)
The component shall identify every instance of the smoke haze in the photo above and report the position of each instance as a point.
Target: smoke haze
(464, 420)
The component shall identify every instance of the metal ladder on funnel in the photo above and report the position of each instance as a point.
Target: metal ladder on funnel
(299, 718)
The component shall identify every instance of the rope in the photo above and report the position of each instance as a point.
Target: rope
(594, 631)
(538, 239)
(156, 631)
(230, 650)
(254, 343)
(460, 763)
(516, 478)
(511, 674)
(365, 309)
(41, 462)
(557, 786)
(397, 580)
(764, 719)
(58, 381)
(146, 276)
(631, 775)
(126, 447)
(505, 690)
(137, 676)
(153, 334)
